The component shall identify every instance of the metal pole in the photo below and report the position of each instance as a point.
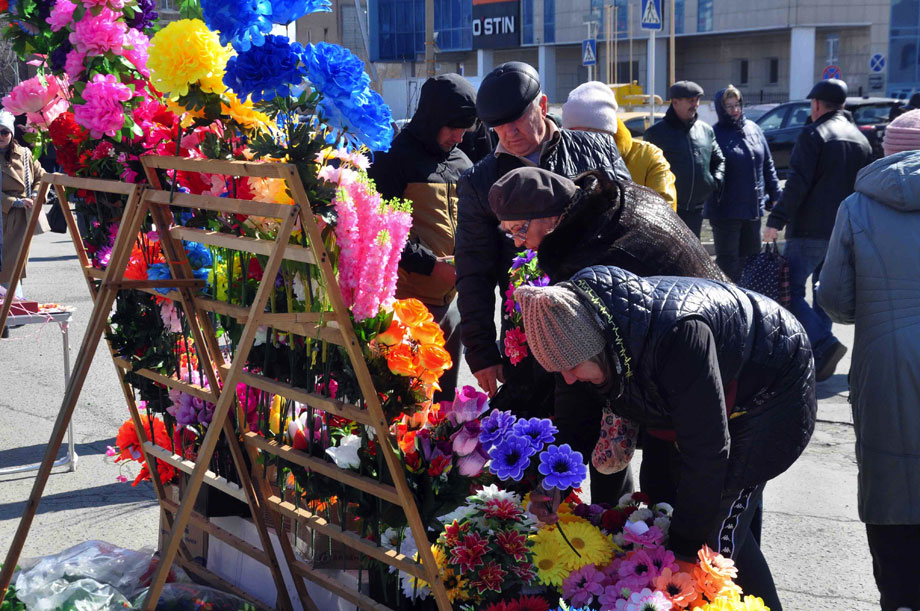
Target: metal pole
(651, 77)
(71, 452)
(616, 44)
(673, 57)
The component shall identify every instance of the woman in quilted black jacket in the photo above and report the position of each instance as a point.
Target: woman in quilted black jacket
(725, 374)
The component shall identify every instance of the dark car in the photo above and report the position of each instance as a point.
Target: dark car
(783, 124)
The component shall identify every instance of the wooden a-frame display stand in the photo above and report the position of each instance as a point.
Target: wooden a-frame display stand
(331, 326)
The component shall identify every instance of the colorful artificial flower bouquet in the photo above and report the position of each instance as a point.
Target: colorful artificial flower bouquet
(525, 271)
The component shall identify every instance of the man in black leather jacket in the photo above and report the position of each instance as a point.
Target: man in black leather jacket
(690, 147)
(510, 101)
(827, 155)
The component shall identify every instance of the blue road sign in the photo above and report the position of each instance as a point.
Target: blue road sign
(830, 72)
(877, 63)
(589, 52)
(651, 15)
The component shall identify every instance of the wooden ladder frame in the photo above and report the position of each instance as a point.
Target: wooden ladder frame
(334, 327)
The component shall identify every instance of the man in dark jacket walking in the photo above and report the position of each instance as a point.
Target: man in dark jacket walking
(822, 171)
(690, 147)
(510, 101)
(423, 166)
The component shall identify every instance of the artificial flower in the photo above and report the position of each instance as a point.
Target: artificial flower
(186, 53)
(393, 335)
(489, 577)
(363, 118)
(428, 332)
(647, 600)
(510, 457)
(242, 23)
(468, 404)
(563, 467)
(468, 551)
(32, 95)
(515, 344)
(61, 15)
(288, 11)
(102, 113)
(540, 431)
(677, 586)
(639, 533)
(547, 558)
(243, 112)
(592, 546)
(583, 585)
(495, 426)
(345, 455)
(402, 361)
(145, 15)
(266, 71)
(97, 33)
(411, 312)
(472, 464)
(512, 543)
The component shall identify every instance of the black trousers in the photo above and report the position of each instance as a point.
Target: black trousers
(896, 564)
(693, 219)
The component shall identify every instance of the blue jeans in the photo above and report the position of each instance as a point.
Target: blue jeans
(805, 257)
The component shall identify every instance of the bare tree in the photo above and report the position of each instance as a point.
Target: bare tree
(9, 63)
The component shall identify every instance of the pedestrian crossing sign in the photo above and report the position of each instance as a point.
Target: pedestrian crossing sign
(651, 14)
(589, 52)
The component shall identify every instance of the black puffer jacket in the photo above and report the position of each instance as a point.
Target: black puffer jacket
(822, 171)
(683, 344)
(695, 157)
(626, 225)
(417, 169)
(484, 253)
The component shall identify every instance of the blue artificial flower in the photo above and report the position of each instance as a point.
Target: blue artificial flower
(511, 457)
(334, 71)
(203, 273)
(364, 118)
(563, 467)
(242, 23)
(58, 57)
(145, 15)
(159, 271)
(523, 258)
(199, 255)
(495, 426)
(266, 71)
(287, 11)
(540, 431)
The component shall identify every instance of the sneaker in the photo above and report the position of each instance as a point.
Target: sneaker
(826, 362)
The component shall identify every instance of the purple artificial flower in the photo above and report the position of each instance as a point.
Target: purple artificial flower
(523, 259)
(471, 465)
(58, 57)
(540, 431)
(495, 426)
(511, 457)
(541, 281)
(583, 585)
(662, 558)
(468, 404)
(563, 467)
(466, 439)
(145, 15)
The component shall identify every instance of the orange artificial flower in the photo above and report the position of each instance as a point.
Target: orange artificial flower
(129, 447)
(714, 574)
(405, 438)
(434, 358)
(402, 361)
(393, 335)
(428, 333)
(678, 587)
(411, 312)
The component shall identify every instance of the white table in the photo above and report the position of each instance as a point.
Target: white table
(62, 318)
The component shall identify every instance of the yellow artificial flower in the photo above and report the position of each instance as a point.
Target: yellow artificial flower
(590, 543)
(270, 190)
(185, 53)
(550, 571)
(244, 113)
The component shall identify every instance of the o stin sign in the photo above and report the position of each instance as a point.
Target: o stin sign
(496, 24)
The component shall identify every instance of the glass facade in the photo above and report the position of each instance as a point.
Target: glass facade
(527, 22)
(903, 59)
(549, 21)
(397, 27)
(678, 16)
(453, 21)
(703, 16)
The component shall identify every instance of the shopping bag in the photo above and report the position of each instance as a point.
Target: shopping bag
(55, 216)
(768, 274)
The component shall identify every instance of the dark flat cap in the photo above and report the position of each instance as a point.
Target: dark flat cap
(505, 93)
(530, 193)
(832, 90)
(685, 89)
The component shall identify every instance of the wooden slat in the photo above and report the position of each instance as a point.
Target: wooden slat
(292, 252)
(187, 466)
(350, 539)
(286, 452)
(218, 533)
(345, 410)
(228, 205)
(194, 390)
(94, 272)
(219, 582)
(263, 169)
(353, 596)
(157, 284)
(91, 184)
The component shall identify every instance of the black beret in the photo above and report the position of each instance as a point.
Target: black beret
(530, 193)
(685, 89)
(505, 93)
(832, 90)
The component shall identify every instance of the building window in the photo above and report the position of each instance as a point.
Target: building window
(526, 22)
(453, 24)
(833, 48)
(742, 72)
(398, 29)
(549, 21)
(704, 16)
(772, 70)
(678, 16)
(168, 5)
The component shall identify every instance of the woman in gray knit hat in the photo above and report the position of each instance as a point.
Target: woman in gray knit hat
(719, 371)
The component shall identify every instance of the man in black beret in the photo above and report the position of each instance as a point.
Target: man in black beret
(822, 171)
(511, 102)
(690, 147)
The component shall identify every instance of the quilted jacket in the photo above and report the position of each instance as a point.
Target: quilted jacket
(870, 278)
(484, 253)
(756, 347)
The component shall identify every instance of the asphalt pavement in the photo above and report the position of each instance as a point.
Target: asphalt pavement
(812, 537)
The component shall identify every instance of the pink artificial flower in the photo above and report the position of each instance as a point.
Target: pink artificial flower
(110, 451)
(582, 585)
(61, 15)
(509, 299)
(466, 439)
(613, 598)
(116, 4)
(103, 113)
(661, 559)
(468, 404)
(471, 465)
(135, 50)
(96, 34)
(641, 565)
(639, 533)
(32, 95)
(73, 63)
(46, 116)
(516, 345)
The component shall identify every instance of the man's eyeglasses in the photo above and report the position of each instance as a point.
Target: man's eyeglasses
(520, 233)
(5, 132)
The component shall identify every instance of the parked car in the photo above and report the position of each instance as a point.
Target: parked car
(755, 111)
(783, 124)
(637, 122)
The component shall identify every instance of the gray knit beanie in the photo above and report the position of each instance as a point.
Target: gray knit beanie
(561, 331)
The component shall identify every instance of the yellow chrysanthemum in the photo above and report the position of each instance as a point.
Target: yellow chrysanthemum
(244, 113)
(590, 543)
(550, 571)
(185, 53)
(270, 190)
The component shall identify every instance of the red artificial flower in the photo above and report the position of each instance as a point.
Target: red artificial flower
(454, 531)
(513, 543)
(129, 447)
(489, 577)
(524, 571)
(438, 465)
(501, 509)
(67, 136)
(413, 462)
(532, 603)
(501, 606)
(641, 497)
(613, 520)
(469, 551)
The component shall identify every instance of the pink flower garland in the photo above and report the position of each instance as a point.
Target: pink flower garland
(103, 113)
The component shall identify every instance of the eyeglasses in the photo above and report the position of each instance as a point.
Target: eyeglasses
(5, 132)
(520, 233)
(732, 106)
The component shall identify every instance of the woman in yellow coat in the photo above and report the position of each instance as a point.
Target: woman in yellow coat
(593, 107)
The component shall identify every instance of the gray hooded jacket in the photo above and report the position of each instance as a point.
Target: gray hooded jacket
(871, 278)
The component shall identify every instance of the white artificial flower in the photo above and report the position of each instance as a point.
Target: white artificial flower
(640, 515)
(345, 455)
(393, 538)
(300, 291)
(619, 540)
(664, 508)
(409, 588)
(626, 499)
(492, 491)
(636, 528)
(663, 524)
(261, 335)
(460, 513)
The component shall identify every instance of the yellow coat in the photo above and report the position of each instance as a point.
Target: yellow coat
(646, 164)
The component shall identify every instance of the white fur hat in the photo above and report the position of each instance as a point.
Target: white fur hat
(591, 105)
(6, 120)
